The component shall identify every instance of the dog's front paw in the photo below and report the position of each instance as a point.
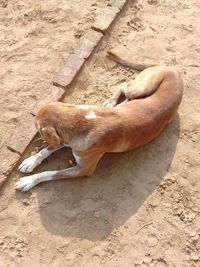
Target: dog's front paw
(29, 164)
(110, 103)
(27, 182)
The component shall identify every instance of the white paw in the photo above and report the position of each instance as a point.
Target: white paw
(109, 103)
(29, 164)
(27, 182)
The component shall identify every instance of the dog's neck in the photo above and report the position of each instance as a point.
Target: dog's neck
(80, 128)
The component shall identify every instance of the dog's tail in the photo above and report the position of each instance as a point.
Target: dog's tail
(139, 67)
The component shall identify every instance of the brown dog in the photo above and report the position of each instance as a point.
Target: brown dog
(91, 131)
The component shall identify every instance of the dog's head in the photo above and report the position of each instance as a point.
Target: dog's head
(45, 122)
(57, 122)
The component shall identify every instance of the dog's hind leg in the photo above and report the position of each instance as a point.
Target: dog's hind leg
(115, 98)
(29, 164)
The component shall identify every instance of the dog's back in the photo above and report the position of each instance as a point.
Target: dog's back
(141, 120)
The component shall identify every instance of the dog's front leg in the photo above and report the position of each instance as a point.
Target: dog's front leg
(86, 164)
(29, 164)
(28, 182)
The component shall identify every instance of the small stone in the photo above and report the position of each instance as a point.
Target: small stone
(96, 214)
(191, 217)
(147, 259)
(155, 200)
(152, 241)
(194, 256)
(66, 74)
(195, 239)
(192, 234)
(70, 162)
(105, 19)
(25, 202)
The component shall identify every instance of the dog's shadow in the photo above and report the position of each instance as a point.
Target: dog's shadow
(92, 207)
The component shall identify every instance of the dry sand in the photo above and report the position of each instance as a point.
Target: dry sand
(140, 208)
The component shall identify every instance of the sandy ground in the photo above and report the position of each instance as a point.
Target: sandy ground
(140, 208)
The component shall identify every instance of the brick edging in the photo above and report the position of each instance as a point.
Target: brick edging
(65, 75)
(25, 132)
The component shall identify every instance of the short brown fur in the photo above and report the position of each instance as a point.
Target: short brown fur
(124, 127)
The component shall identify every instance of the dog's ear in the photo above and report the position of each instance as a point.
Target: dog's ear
(50, 135)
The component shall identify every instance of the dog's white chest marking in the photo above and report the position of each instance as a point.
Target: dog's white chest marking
(91, 115)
